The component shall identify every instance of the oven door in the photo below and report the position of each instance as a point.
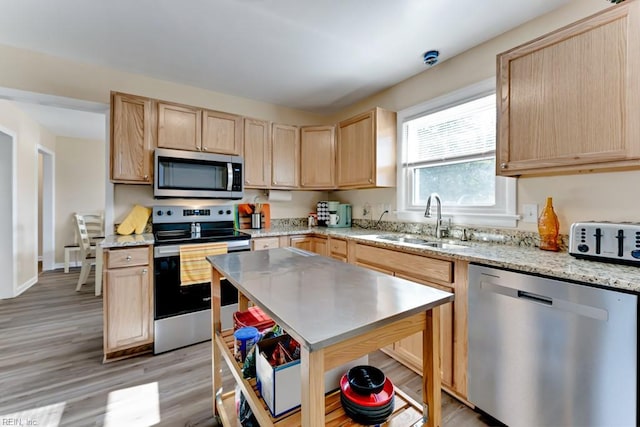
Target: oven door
(173, 299)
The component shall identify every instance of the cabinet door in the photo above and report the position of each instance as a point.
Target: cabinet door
(221, 133)
(129, 308)
(179, 127)
(320, 245)
(355, 151)
(338, 249)
(285, 156)
(132, 124)
(317, 157)
(302, 242)
(367, 150)
(410, 348)
(564, 100)
(257, 154)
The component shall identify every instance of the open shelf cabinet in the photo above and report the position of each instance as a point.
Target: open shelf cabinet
(407, 412)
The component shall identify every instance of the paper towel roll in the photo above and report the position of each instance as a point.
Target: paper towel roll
(279, 196)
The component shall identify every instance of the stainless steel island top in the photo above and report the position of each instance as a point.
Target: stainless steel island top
(321, 301)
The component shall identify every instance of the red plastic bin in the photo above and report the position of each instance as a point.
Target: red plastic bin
(253, 317)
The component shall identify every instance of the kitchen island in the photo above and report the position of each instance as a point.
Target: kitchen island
(336, 311)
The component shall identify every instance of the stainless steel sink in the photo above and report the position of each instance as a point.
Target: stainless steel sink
(412, 240)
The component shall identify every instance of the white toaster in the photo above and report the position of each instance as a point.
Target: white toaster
(606, 241)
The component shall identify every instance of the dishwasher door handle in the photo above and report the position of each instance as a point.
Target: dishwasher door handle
(535, 297)
(556, 303)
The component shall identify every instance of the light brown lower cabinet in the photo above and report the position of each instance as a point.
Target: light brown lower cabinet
(317, 244)
(128, 302)
(441, 273)
(264, 243)
(338, 249)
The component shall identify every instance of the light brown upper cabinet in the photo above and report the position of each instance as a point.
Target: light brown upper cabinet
(285, 156)
(182, 127)
(132, 139)
(257, 153)
(317, 157)
(569, 100)
(221, 132)
(367, 150)
(179, 127)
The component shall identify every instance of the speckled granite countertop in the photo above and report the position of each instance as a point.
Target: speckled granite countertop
(526, 259)
(117, 241)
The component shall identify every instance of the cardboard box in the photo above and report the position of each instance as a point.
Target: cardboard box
(280, 385)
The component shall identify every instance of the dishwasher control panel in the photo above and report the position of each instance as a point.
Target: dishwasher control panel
(606, 241)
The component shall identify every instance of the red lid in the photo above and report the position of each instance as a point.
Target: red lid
(372, 400)
(254, 316)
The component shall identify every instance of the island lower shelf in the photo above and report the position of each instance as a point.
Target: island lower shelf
(407, 412)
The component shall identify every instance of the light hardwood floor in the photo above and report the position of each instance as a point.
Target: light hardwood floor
(51, 369)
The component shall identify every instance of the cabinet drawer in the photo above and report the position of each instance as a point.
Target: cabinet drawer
(128, 257)
(417, 266)
(265, 243)
(338, 247)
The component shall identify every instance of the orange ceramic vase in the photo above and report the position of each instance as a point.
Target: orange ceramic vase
(548, 227)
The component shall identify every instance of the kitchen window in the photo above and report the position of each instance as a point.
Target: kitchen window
(449, 148)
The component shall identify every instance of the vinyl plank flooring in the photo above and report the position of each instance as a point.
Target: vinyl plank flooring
(51, 369)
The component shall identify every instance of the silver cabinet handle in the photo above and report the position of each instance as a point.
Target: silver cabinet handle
(144, 271)
(128, 258)
(504, 165)
(146, 177)
(204, 148)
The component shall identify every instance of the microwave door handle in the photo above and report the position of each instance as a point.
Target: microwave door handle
(229, 176)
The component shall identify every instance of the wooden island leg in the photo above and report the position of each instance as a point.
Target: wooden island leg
(216, 326)
(431, 393)
(312, 388)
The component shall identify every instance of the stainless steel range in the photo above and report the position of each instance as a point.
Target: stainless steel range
(182, 314)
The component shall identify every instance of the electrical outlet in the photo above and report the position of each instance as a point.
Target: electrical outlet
(366, 209)
(530, 213)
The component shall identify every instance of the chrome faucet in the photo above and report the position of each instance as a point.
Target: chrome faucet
(427, 214)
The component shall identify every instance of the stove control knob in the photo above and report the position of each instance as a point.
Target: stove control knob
(159, 213)
(220, 212)
(228, 212)
(635, 253)
(583, 248)
(169, 213)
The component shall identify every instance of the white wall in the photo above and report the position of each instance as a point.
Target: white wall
(302, 202)
(80, 185)
(28, 136)
(6, 217)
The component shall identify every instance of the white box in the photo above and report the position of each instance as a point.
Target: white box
(280, 386)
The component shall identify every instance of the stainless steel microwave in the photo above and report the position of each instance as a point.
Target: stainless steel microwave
(190, 174)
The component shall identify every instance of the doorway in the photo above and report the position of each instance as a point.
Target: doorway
(7, 214)
(46, 217)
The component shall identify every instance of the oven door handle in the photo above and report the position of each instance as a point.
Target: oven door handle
(166, 251)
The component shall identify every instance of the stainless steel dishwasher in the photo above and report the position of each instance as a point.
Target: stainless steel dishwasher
(546, 352)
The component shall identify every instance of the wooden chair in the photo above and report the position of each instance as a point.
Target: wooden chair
(87, 250)
(95, 227)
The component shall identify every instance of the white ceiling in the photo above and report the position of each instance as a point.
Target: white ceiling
(67, 122)
(314, 55)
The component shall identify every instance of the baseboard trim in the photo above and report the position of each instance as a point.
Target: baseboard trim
(26, 285)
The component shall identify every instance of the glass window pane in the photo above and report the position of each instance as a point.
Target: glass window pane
(470, 183)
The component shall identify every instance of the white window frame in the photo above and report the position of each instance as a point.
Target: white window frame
(502, 214)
